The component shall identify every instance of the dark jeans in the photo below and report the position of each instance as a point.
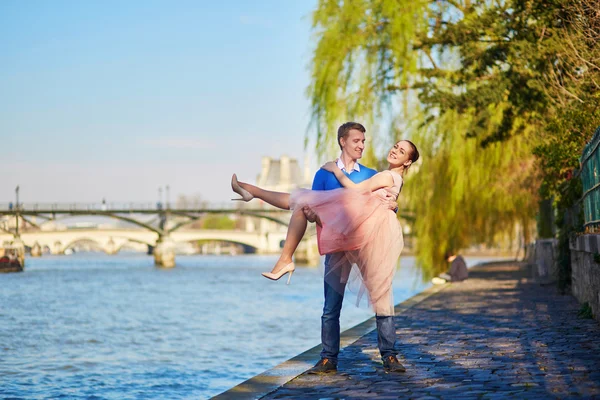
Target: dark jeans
(330, 321)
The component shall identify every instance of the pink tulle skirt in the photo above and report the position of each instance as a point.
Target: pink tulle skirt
(365, 235)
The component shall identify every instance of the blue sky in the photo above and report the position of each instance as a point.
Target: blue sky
(116, 98)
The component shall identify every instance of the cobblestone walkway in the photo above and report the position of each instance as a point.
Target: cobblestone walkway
(498, 335)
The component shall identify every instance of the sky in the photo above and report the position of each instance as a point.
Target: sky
(114, 99)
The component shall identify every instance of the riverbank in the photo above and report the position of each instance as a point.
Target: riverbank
(497, 335)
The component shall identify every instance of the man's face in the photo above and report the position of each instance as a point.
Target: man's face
(353, 144)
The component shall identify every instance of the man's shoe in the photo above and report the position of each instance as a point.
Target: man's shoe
(391, 364)
(324, 366)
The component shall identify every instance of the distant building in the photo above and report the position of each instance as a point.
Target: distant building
(284, 175)
(280, 175)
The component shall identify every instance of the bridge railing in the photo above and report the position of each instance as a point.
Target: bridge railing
(76, 206)
(130, 206)
(590, 177)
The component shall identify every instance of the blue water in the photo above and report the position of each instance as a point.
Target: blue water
(115, 327)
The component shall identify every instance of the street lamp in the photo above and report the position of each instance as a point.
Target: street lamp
(17, 212)
(167, 197)
(159, 198)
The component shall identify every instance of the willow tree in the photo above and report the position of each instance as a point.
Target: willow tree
(463, 80)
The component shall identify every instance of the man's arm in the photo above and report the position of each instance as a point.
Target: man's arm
(390, 197)
(319, 180)
(391, 201)
(371, 184)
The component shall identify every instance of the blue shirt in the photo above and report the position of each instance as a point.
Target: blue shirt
(325, 180)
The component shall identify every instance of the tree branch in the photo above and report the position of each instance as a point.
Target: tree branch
(452, 3)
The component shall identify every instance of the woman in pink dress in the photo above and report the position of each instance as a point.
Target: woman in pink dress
(355, 220)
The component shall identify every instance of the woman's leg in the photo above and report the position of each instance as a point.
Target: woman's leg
(277, 199)
(295, 233)
(297, 225)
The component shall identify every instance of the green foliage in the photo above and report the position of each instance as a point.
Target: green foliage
(364, 52)
(559, 149)
(446, 74)
(572, 84)
(501, 59)
(585, 311)
(218, 222)
(460, 191)
(500, 97)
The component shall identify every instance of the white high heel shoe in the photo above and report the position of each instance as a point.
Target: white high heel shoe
(274, 277)
(235, 186)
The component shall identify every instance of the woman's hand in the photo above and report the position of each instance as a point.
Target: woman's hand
(329, 166)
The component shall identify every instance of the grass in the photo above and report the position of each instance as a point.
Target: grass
(585, 311)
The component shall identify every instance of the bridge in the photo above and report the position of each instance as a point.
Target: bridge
(159, 234)
(112, 240)
(166, 227)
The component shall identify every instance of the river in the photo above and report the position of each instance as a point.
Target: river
(95, 326)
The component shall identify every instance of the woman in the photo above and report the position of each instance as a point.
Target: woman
(357, 221)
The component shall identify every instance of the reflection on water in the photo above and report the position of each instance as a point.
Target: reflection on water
(116, 327)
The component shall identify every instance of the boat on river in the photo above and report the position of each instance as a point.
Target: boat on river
(11, 260)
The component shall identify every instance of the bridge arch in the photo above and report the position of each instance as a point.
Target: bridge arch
(193, 218)
(249, 248)
(71, 214)
(131, 240)
(82, 240)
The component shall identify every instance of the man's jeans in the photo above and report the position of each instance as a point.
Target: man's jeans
(330, 321)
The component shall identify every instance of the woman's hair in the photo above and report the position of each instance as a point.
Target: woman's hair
(414, 156)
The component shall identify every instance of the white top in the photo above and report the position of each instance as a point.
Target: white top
(341, 166)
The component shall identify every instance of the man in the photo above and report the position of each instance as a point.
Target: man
(351, 139)
(458, 269)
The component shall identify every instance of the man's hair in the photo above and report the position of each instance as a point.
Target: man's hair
(344, 129)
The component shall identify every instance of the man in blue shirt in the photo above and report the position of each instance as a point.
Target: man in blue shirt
(351, 139)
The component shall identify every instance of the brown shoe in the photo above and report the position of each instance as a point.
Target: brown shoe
(391, 364)
(324, 366)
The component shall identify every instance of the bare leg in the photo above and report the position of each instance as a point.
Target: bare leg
(277, 199)
(295, 233)
(297, 226)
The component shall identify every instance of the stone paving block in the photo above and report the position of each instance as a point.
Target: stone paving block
(498, 335)
(494, 396)
(357, 393)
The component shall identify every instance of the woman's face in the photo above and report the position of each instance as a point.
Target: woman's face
(399, 154)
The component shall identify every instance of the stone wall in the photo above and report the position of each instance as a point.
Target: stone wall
(585, 273)
(544, 258)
